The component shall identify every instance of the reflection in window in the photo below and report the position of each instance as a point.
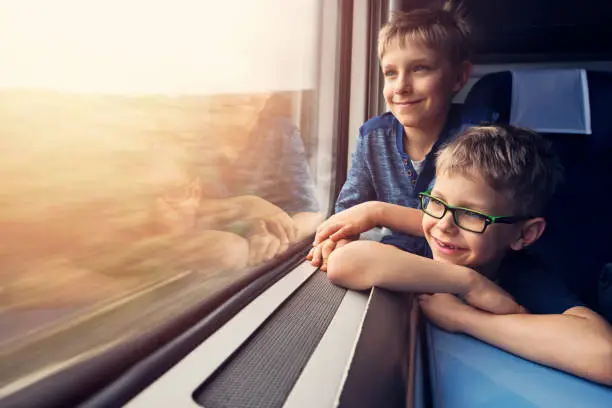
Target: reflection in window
(145, 169)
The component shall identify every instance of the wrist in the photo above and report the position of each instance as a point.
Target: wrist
(470, 281)
(243, 202)
(468, 319)
(376, 213)
(463, 319)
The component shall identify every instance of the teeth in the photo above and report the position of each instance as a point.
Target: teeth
(443, 245)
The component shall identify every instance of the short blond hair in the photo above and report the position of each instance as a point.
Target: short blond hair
(516, 162)
(443, 29)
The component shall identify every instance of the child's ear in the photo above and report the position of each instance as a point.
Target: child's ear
(531, 230)
(463, 72)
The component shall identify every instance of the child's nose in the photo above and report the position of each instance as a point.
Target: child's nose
(403, 84)
(447, 223)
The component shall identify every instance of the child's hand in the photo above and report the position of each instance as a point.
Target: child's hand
(278, 222)
(322, 251)
(445, 310)
(346, 224)
(486, 295)
(176, 211)
(263, 245)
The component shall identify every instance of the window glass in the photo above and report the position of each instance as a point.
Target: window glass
(153, 153)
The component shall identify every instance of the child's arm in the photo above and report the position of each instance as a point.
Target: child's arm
(357, 189)
(346, 226)
(306, 223)
(365, 216)
(236, 213)
(364, 264)
(319, 254)
(578, 341)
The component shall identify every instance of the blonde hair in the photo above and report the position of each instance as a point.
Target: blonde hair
(444, 29)
(514, 161)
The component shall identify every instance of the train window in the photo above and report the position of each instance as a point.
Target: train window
(153, 153)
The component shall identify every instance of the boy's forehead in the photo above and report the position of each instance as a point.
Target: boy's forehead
(469, 189)
(410, 47)
(445, 179)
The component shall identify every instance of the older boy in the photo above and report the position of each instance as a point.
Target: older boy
(424, 56)
(492, 186)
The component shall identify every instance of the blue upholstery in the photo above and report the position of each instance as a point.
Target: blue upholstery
(466, 372)
(578, 240)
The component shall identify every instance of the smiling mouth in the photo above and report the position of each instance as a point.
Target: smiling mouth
(408, 102)
(447, 246)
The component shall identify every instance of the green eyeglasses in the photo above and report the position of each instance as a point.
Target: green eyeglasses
(469, 220)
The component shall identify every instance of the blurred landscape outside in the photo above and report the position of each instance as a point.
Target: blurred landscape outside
(153, 152)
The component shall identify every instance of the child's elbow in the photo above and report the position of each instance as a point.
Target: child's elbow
(605, 371)
(602, 374)
(348, 266)
(598, 367)
(607, 378)
(340, 266)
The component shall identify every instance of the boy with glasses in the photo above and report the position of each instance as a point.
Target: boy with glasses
(492, 186)
(424, 57)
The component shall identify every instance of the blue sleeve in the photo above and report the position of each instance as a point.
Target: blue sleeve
(540, 290)
(299, 190)
(408, 243)
(274, 168)
(280, 172)
(358, 187)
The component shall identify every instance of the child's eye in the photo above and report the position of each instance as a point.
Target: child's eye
(420, 68)
(389, 73)
(473, 214)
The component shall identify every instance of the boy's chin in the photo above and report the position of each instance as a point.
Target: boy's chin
(410, 121)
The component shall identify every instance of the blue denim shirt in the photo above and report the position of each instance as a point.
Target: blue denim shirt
(382, 171)
(274, 166)
(535, 286)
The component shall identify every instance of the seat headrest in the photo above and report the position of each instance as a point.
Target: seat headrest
(497, 90)
(551, 101)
